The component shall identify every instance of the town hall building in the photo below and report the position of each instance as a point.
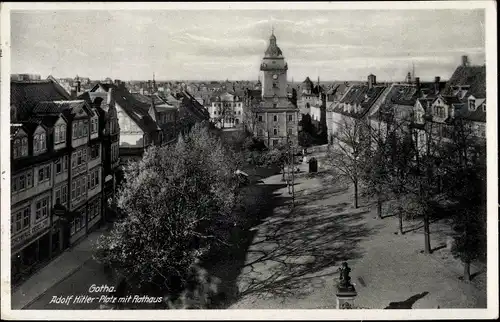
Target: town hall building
(276, 116)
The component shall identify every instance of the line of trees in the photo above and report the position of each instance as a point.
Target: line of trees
(422, 173)
(178, 203)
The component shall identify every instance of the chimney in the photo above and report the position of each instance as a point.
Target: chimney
(109, 99)
(417, 83)
(73, 93)
(78, 87)
(437, 80)
(408, 78)
(372, 81)
(465, 60)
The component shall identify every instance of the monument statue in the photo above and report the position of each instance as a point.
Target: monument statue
(345, 279)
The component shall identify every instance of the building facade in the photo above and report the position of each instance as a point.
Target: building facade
(226, 110)
(56, 173)
(276, 117)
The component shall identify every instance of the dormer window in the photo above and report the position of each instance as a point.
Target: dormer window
(60, 133)
(39, 143)
(20, 147)
(93, 125)
(472, 105)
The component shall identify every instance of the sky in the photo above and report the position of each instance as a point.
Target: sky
(229, 44)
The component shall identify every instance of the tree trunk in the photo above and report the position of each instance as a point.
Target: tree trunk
(283, 170)
(467, 276)
(356, 194)
(400, 217)
(379, 206)
(427, 233)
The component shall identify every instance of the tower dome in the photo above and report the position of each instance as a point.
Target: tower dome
(273, 50)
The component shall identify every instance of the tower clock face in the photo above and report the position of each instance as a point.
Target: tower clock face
(275, 76)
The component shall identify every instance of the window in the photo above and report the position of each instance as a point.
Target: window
(44, 173)
(275, 118)
(93, 125)
(84, 155)
(73, 190)
(274, 105)
(79, 160)
(62, 133)
(22, 182)
(56, 134)
(16, 148)
(472, 105)
(24, 146)
(275, 131)
(75, 130)
(29, 180)
(290, 131)
(290, 117)
(260, 118)
(64, 194)
(94, 209)
(39, 143)
(21, 220)
(42, 142)
(14, 185)
(42, 209)
(484, 107)
(275, 142)
(58, 166)
(58, 196)
(94, 151)
(65, 163)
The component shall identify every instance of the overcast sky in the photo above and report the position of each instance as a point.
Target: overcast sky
(229, 44)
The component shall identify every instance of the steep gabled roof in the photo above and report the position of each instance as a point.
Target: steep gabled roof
(359, 95)
(57, 107)
(473, 76)
(25, 95)
(136, 110)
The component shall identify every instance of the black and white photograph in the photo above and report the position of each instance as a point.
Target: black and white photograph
(239, 160)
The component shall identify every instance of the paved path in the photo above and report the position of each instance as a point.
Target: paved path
(56, 271)
(293, 258)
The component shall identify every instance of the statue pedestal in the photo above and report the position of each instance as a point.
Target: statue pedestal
(345, 297)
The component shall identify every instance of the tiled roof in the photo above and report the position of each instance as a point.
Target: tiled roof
(191, 105)
(136, 110)
(25, 95)
(426, 102)
(450, 99)
(477, 116)
(47, 120)
(359, 95)
(28, 126)
(56, 107)
(473, 76)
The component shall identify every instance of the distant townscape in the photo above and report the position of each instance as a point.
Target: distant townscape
(156, 187)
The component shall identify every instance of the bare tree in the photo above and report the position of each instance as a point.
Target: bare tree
(465, 168)
(345, 154)
(250, 116)
(225, 112)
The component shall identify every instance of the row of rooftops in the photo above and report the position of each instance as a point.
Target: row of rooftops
(40, 101)
(467, 81)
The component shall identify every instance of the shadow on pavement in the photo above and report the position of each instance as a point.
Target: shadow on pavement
(406, 304)
(277, 252)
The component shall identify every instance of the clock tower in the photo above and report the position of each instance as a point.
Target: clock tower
(277, 116)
